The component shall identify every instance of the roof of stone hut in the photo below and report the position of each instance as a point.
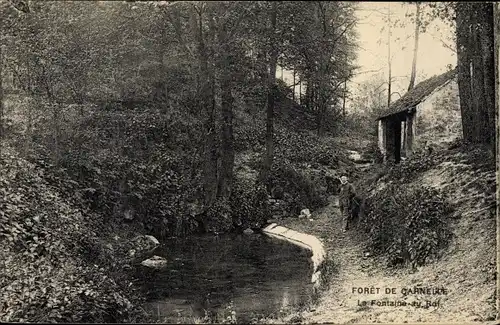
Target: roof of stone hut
(416, 95)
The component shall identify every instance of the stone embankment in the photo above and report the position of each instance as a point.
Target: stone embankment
(306, 241)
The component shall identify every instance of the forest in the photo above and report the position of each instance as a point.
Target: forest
(146, 104)
(168, 118)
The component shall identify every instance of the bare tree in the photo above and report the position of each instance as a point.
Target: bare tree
(415, 48)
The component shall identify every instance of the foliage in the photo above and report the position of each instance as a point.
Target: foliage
(249, 204)
(301, 191)
(305, 147)
(373, 152)
(45, 277)
(407, 225)
(249, 136)
(118, 97)
(408, 170)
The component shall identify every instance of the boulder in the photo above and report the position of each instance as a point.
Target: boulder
(145, 243)
(248, 231)
(153, 240)
(155, 262)
(354, 155)
(305, 213)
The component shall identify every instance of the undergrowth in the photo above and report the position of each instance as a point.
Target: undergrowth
(301, 190)
(407, 225)
(51, 270)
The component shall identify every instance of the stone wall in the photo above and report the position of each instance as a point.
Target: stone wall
(306, 241)
(438, 118)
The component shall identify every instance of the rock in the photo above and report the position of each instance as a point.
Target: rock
(248, 231)
(155, 262)
(354, 155)
(153, 239)
(128, 215)
(144, 243)
(306, 213)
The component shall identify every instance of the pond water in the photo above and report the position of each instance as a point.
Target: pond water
(253, 275)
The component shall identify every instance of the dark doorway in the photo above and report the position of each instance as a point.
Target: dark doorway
(397, 142)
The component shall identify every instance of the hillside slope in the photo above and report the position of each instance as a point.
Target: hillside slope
(466, 268)
(59, 262)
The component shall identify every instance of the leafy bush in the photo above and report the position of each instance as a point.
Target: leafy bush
(305, 148)
(300, 190)
(373, 152)
(249, 136)
(408, 170)
(407, 225)
(219, 217)
(249, 204)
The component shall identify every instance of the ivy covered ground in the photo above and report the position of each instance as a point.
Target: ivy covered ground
(59, 261)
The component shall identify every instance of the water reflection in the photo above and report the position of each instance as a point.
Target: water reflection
(256, 276)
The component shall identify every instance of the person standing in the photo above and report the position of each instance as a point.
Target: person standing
(347, 194)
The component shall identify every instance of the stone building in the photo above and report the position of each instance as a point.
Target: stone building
(427, 114)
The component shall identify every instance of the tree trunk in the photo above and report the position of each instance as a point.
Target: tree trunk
(300, 92)
(477, 81)
(293, 92)
(308, 94)
(344, 97)
(488, 72)
(207, 105)
(476, 75)
(464, 71)
(227, 165)
(271, 95)
(415, 49)
(497, 147)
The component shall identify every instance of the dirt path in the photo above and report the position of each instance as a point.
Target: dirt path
(339, 304)
(468, 298)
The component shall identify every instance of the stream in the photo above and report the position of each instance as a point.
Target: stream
(253, 276)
